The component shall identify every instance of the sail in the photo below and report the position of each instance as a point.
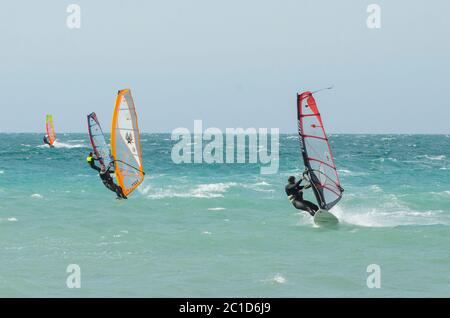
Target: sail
(126, 144)
(50, 129)
(316, 152)
(98, 141)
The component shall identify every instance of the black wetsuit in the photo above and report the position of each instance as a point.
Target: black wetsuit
(47, 142)
(90, 161)
(109, 183)
(295, 194)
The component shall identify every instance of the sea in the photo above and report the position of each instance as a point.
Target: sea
(224, 230)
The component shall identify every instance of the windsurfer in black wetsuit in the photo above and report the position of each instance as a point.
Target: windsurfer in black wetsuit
(46, 141)
(295, 193)
(90, 160)
(109, 182)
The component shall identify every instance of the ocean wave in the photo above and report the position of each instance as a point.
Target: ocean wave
(348, 173)
(438, 157)
(202, 191)
(376, 217)
(216, 209)
(63, 145)
(36, 196)
(443, 193)
(277, 279)
(69, 146)
(2, 172)
(10, 219)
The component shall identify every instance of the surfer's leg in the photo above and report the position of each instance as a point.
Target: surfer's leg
(302, 206)
(93, 166)
(312, 206)
(119, 192)
(110, 186)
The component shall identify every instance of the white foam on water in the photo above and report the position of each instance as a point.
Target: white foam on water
(440, 157)
(346, 173)
(202, 191)
(216, 209)
(10, 219)
(277, 279)
(2, 172)
(36, 196)
(258, 186)
(262, 183)
(206, 233)
(376, 217)
(58, 144)
(442, 193)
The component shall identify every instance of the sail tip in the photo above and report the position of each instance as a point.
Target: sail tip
(123, 91)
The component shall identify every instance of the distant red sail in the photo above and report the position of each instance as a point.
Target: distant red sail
(50, 129)
(316, 152)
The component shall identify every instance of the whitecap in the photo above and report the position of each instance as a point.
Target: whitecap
(36, 196)
(439, 157)
(390, 217)
(277, 278)
(202, 191)
(58, 144)
(216, 209)
(206, 233)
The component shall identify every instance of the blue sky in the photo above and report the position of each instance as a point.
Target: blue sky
(230, 63)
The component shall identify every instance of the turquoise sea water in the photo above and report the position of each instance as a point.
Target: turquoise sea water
(224, 230)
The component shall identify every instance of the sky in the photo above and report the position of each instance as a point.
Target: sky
(229, 63)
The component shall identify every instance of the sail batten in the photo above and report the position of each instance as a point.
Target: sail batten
(316, 153)
(126, 144)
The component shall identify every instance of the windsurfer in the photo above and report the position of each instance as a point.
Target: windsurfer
(109, 182)
(90, 160)
(46, 141)
(295, 193)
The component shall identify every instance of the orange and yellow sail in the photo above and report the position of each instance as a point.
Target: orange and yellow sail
(126, 144)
